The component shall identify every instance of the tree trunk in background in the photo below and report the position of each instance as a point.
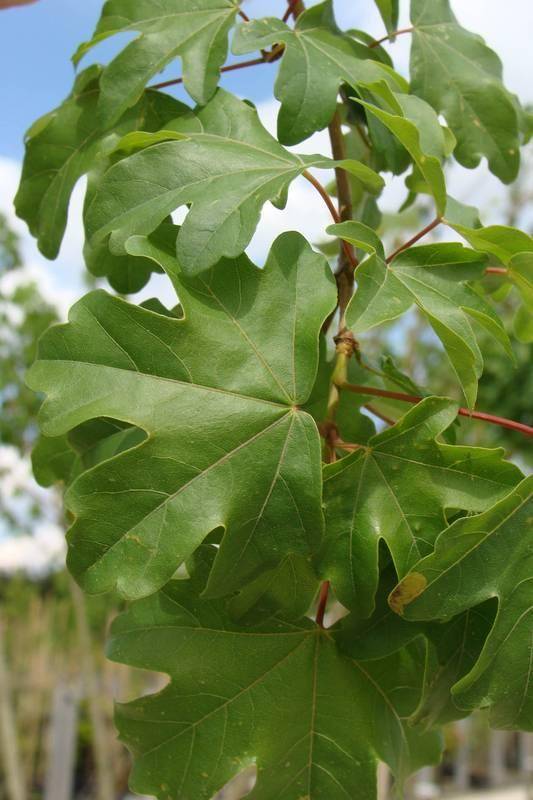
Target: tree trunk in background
(105, 789)
(63, 740)
(8, 732)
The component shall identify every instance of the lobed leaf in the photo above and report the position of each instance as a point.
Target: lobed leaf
(434, 277)
(398, 489)
(218, 395)
(318, 58)
(476, 559)
(280, 696)
(66, 144)
(194, 30)
(455, 71)
(227, 173)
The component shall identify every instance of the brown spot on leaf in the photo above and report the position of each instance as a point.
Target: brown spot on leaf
(408, 590)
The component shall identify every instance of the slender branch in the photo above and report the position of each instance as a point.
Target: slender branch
(295, 7)
(377, 413)
(322, 603)
(463, 412)
(244, 16)
(268, 57)
(392, 35)
(496, 271)
(332, 210)
(432, 225)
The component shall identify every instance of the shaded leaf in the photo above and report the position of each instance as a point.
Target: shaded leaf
(397, 489)
(476, 559)
(415, 125)
(65, 144)
(279, 695)
(434, 277)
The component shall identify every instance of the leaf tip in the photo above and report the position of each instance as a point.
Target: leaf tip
(407, 590)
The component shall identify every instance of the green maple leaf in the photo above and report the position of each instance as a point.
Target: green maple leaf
(398, 488)
(434, 277)
(65, 144)
(461, 77)
(476, 559)
(279, 695)
(318, 58)
(195, 30)
(227, 172)
(415, 125)
(390, 12)
(514, 248)
(218, 394)
(453, 649)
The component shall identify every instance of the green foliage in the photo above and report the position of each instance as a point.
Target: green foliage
(461, 77)
(221, 467)
(281, 695)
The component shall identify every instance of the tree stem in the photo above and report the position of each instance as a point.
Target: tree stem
(463, 412)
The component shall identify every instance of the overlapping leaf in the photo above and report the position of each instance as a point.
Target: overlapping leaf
(476, 559)
(318, 58)
(514, 248)
(195, 30)
(280, 696)
(65, 144)
(398, 488)
(227, 172)
(218, 395)
(390, 12)
(434, 277)
(401, 123)
(461, 77)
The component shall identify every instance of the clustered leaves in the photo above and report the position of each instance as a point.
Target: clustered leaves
(222, 472)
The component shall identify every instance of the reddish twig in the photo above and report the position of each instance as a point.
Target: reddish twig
(463, 412)
(267, 58)
(294, 8)
(322, 603)
(496, 271)
(377, 42)
(333, 211)
(244, 16)
(377, 413)
(415, 239)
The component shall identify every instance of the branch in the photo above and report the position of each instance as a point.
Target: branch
(415, 238)
(392, 35)
(295, 8)
(244, 16)
(268, 57)
(463, 412)
(496, 271)
(322, 603)
(332, 210)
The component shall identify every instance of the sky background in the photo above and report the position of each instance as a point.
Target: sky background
(36, 43)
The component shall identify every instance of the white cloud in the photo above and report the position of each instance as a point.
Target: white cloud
(38, 542)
